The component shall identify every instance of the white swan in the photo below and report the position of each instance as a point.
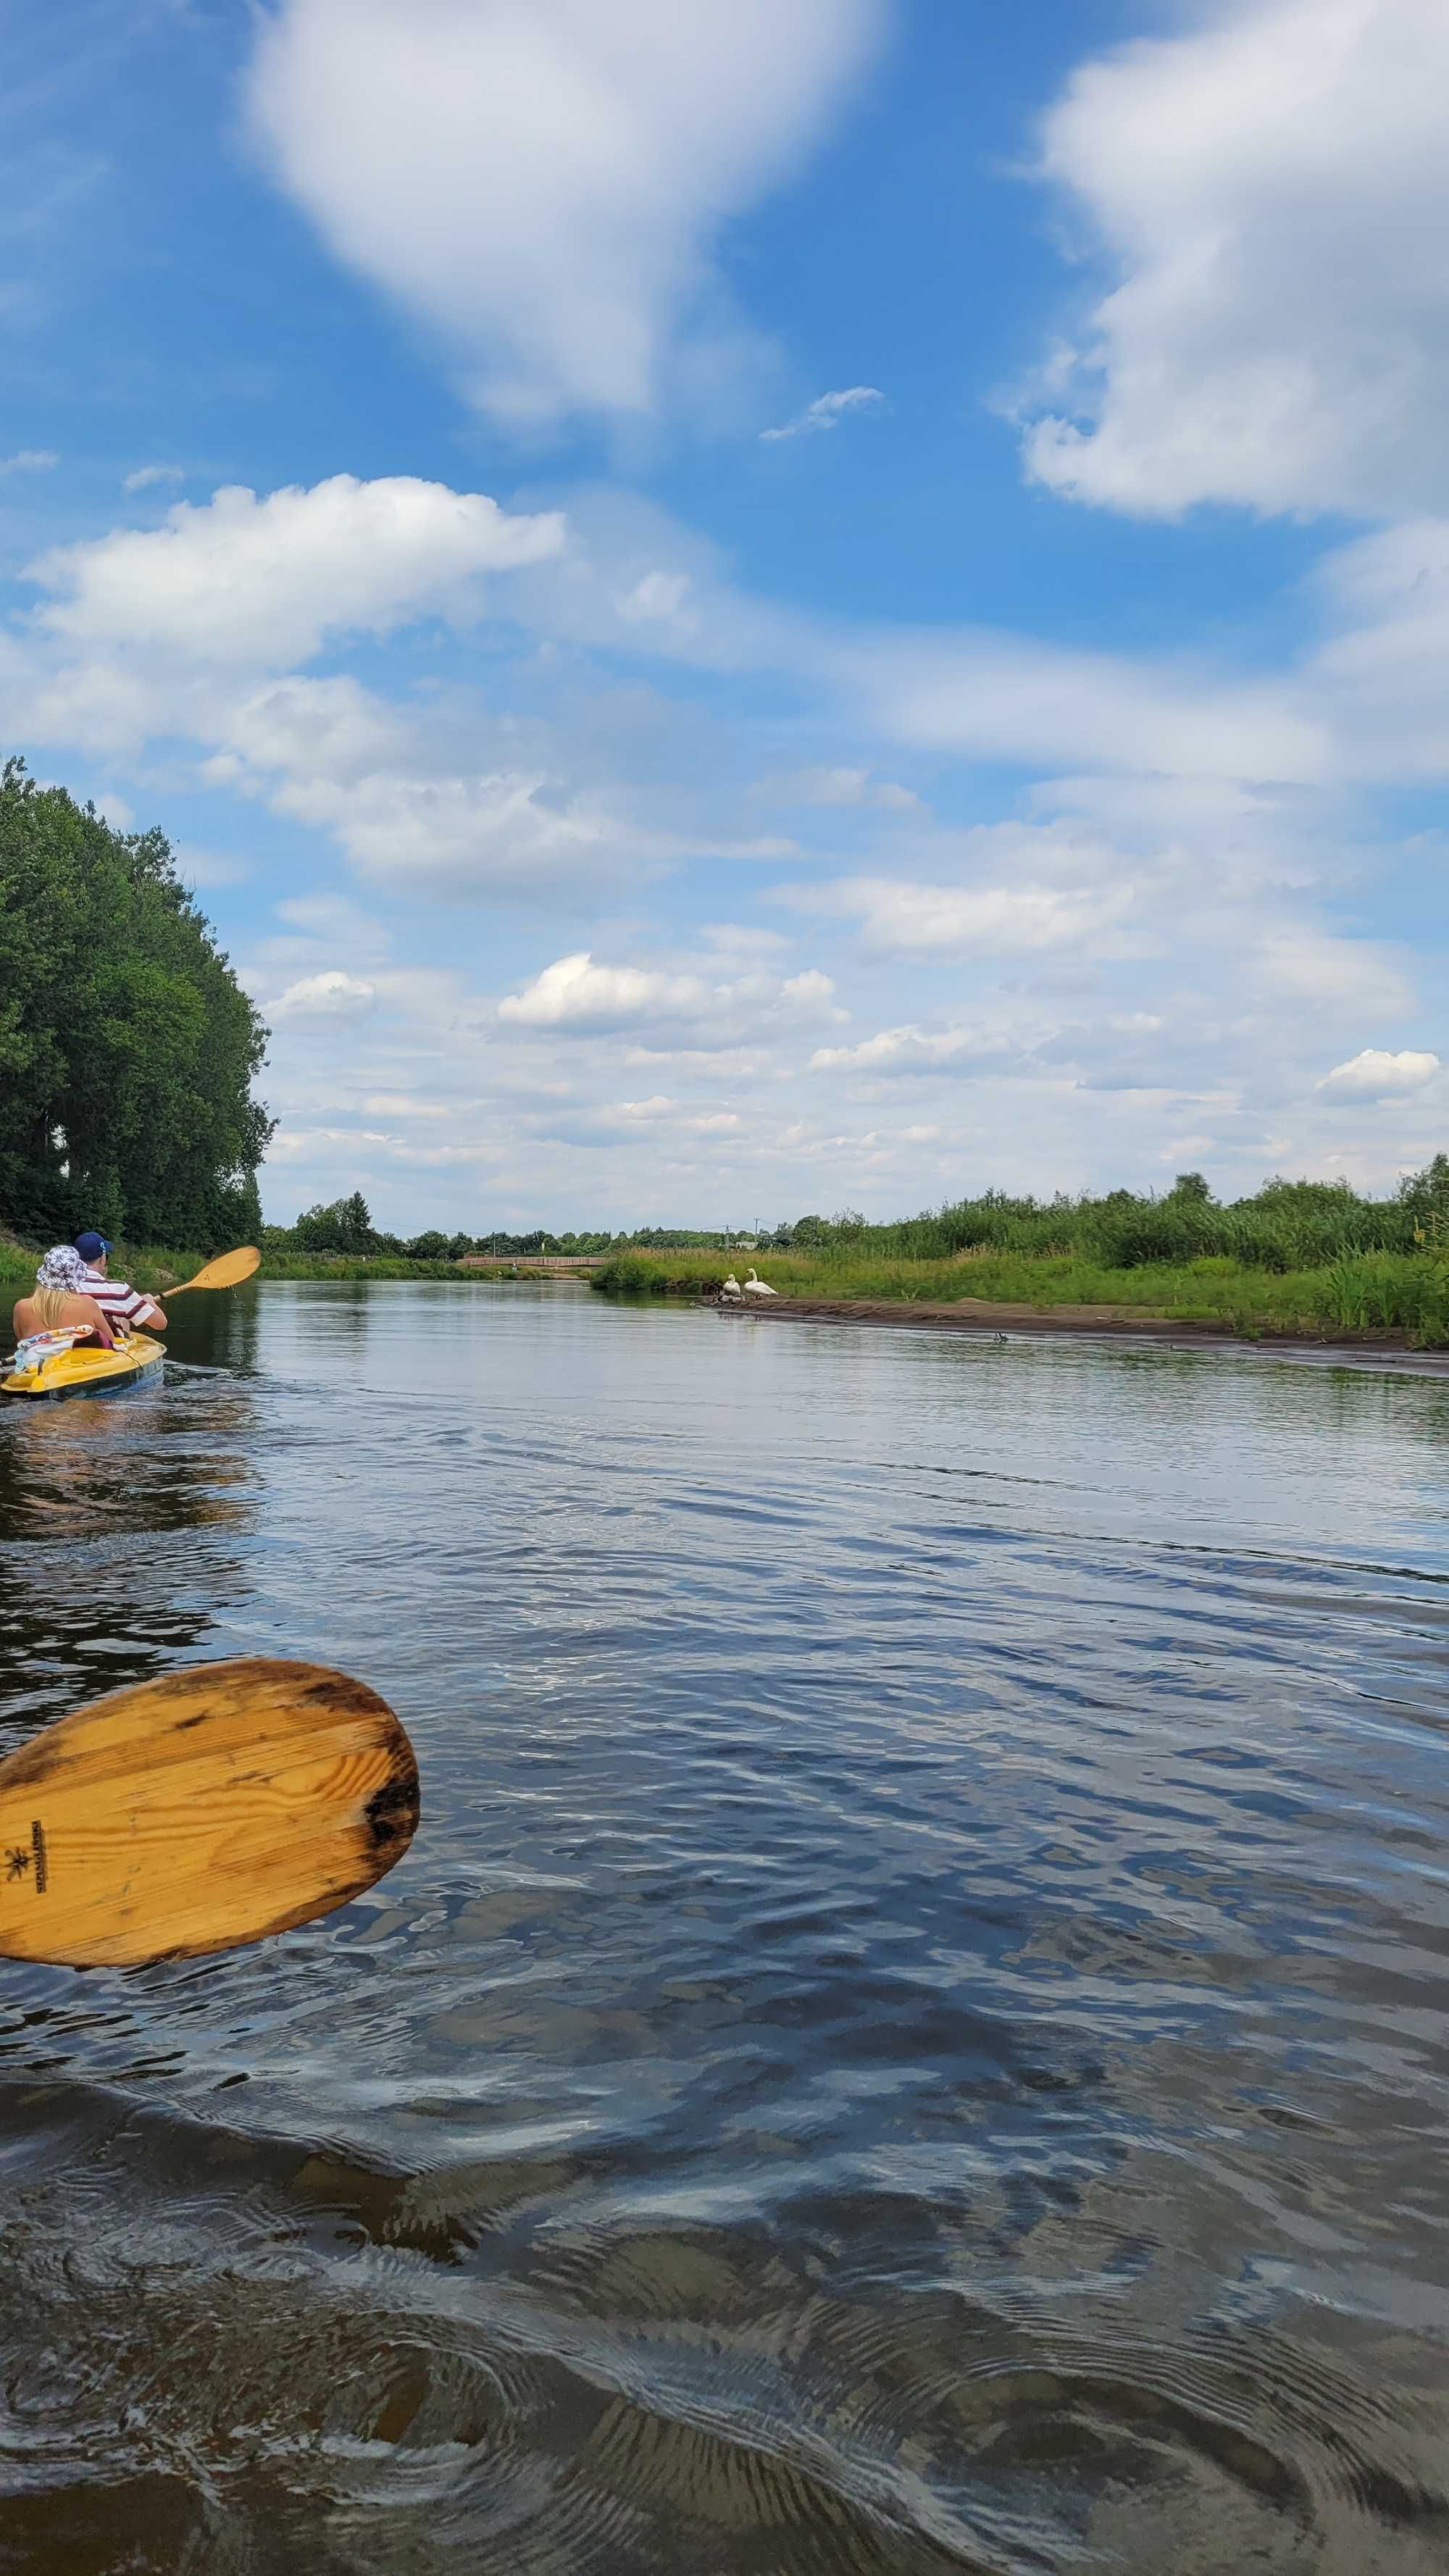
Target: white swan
(757, 1287)
(732, 1289)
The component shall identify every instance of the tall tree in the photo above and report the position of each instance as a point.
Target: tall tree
(128, 1050)
(345, 1226)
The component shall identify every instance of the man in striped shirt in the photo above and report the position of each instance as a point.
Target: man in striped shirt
(125, 1309)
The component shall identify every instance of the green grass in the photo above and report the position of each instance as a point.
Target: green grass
(1369, 1293)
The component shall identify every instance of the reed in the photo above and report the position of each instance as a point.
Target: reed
(1373, 1292)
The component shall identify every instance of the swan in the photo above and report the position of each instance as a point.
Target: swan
(732, 1289)
(757, 1287)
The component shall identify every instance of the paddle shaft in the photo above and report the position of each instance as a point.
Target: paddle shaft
(228, 1270)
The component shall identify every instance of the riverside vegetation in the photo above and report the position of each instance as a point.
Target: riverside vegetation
(1307, 1258)
(1303, 1258)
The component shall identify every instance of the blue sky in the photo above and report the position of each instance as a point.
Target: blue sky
(790, 604)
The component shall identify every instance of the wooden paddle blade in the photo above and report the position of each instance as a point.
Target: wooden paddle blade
(228, 1270)
(198, 1812)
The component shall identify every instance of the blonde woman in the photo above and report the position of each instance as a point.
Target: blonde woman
(60, 1305)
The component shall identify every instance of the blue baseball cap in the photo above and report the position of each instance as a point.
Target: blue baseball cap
(91, 1246)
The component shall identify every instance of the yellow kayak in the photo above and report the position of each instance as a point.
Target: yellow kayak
(90, 1370)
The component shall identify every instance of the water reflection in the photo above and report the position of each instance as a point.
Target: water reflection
(125, 1520)
(913, 2039)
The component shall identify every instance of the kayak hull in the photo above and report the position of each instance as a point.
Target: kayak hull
(88, 1372)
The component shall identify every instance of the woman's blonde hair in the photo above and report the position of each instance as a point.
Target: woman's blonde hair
(50, 1306)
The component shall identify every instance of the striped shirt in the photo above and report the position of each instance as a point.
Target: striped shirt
(118, 1303)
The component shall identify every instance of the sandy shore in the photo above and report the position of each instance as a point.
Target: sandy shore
(1108, 1323)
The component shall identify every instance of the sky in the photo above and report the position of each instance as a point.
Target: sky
(759, 608)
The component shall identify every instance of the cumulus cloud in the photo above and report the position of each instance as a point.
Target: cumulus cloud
(826, 412)
(242, 582)
(542, 183)
(331, 995)
(29, 460)
(577, 997)
(575, 993)
(146, 477)
(1373, 1074)
(1270, 193)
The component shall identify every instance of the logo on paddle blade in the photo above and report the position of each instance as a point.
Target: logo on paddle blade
(16, 1863)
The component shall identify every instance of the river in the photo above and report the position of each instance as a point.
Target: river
(912, 2035)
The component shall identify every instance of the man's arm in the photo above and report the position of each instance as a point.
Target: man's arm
(132, 1308)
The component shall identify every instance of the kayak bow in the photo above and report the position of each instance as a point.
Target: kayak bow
(88, 1371)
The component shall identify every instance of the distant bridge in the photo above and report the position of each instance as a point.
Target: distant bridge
(556, 1261)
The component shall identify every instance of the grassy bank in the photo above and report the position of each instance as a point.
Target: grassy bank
(1366, 1293)
(160, 1266)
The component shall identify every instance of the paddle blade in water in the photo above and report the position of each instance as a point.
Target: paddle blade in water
(228, 1270)
(198, 1812)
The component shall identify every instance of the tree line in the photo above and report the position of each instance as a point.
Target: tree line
(128, 1050)
(1285, 1225)
(346, 1227)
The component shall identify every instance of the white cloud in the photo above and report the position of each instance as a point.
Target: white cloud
(575, 993)
(541, 180)
(29, 460)
(455, 835)
(916, 1050)
(403, 1104)
(827, 411)
(332, 995)
(146, 477)
(1374, 1075)
(574, 996)
(843, 787)
(810, 993)
(242, 582)
(902, 919)
(661, 599)
(322, 732)
(1271, 193)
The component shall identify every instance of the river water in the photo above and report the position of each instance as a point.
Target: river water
(911, 2037)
